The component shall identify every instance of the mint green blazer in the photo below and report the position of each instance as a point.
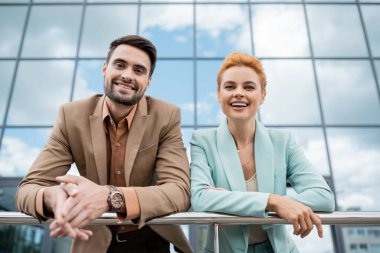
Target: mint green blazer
(215, 162)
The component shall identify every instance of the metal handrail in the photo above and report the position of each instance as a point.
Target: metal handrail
(362, 218)
(209, 218)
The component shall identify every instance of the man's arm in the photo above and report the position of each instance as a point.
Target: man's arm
(54, 160)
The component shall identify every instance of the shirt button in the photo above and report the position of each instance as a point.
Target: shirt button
(118, 172)
(118, 144)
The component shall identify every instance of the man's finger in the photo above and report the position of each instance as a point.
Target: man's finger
(70, 188)
(68, 179)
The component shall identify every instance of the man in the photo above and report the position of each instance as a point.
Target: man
(129, 152)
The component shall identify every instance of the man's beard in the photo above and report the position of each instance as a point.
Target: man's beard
(117, 98)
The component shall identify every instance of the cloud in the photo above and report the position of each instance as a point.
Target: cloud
(356, 172)
(41, 87)
(279, 30)
(162, 16)
(16, 157)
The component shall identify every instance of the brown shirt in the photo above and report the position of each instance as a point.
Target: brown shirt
(117, 136)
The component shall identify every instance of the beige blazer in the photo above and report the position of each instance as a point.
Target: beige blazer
(155, 164)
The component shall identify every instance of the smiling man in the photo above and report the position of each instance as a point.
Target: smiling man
(129, 152)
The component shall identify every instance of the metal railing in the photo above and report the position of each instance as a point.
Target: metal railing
(358, 218)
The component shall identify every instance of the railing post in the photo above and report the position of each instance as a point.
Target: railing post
(216, 237)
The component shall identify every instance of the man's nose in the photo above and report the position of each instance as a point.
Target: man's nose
(127, 74)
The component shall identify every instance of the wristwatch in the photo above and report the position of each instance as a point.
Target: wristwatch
(116, 202)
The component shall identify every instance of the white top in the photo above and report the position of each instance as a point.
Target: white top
(256, 232)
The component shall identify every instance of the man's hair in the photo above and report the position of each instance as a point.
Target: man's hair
(241, 59)
(138, 42)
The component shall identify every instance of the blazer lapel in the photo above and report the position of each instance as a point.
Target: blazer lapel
(230, 158)
(135, 135)
(99, 142)
(264, 158)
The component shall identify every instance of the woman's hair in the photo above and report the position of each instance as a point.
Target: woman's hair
(241, 59)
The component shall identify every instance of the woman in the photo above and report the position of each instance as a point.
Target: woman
(241, 168)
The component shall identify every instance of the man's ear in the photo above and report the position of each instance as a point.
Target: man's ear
(149, 80)
(104, 69)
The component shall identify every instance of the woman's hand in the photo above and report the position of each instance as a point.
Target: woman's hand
(301, 216)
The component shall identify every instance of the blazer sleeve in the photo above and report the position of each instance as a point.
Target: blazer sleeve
(54, 160)
(311, 188)
(208, 200)
(172, 190)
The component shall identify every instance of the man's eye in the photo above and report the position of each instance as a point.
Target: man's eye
(249, 88)
(139, 71)
(119, 65)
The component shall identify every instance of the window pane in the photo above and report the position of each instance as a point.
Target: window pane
(372, 19)
(103, 24)
(170, 38)
(89, 79)
(338, 33)
(172, 81)
(314, 146)
(52, 31)
(186, 136)
(208, 107)
(377, 67)
(6, 74)
(21, 238)
(14, 1)
(222, 29)
(41, 87)
(348, 92)
(19, 149)
(12, 20)
(355, 157)
(285, 102)
(57, 1)
(279, 31)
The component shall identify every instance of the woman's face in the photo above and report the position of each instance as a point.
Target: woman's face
(240, 93)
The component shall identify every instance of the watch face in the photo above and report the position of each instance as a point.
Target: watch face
(117, 200)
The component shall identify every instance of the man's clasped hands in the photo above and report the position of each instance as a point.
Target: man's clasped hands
(75, 202)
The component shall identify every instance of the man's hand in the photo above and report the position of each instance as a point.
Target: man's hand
(301, 216)
(86, 202)
(54, 199)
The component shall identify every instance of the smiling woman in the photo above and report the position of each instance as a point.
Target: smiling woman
(241, 168)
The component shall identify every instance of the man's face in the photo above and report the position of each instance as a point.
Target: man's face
(126, 75)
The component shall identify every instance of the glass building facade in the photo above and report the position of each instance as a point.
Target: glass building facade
(322, 59)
